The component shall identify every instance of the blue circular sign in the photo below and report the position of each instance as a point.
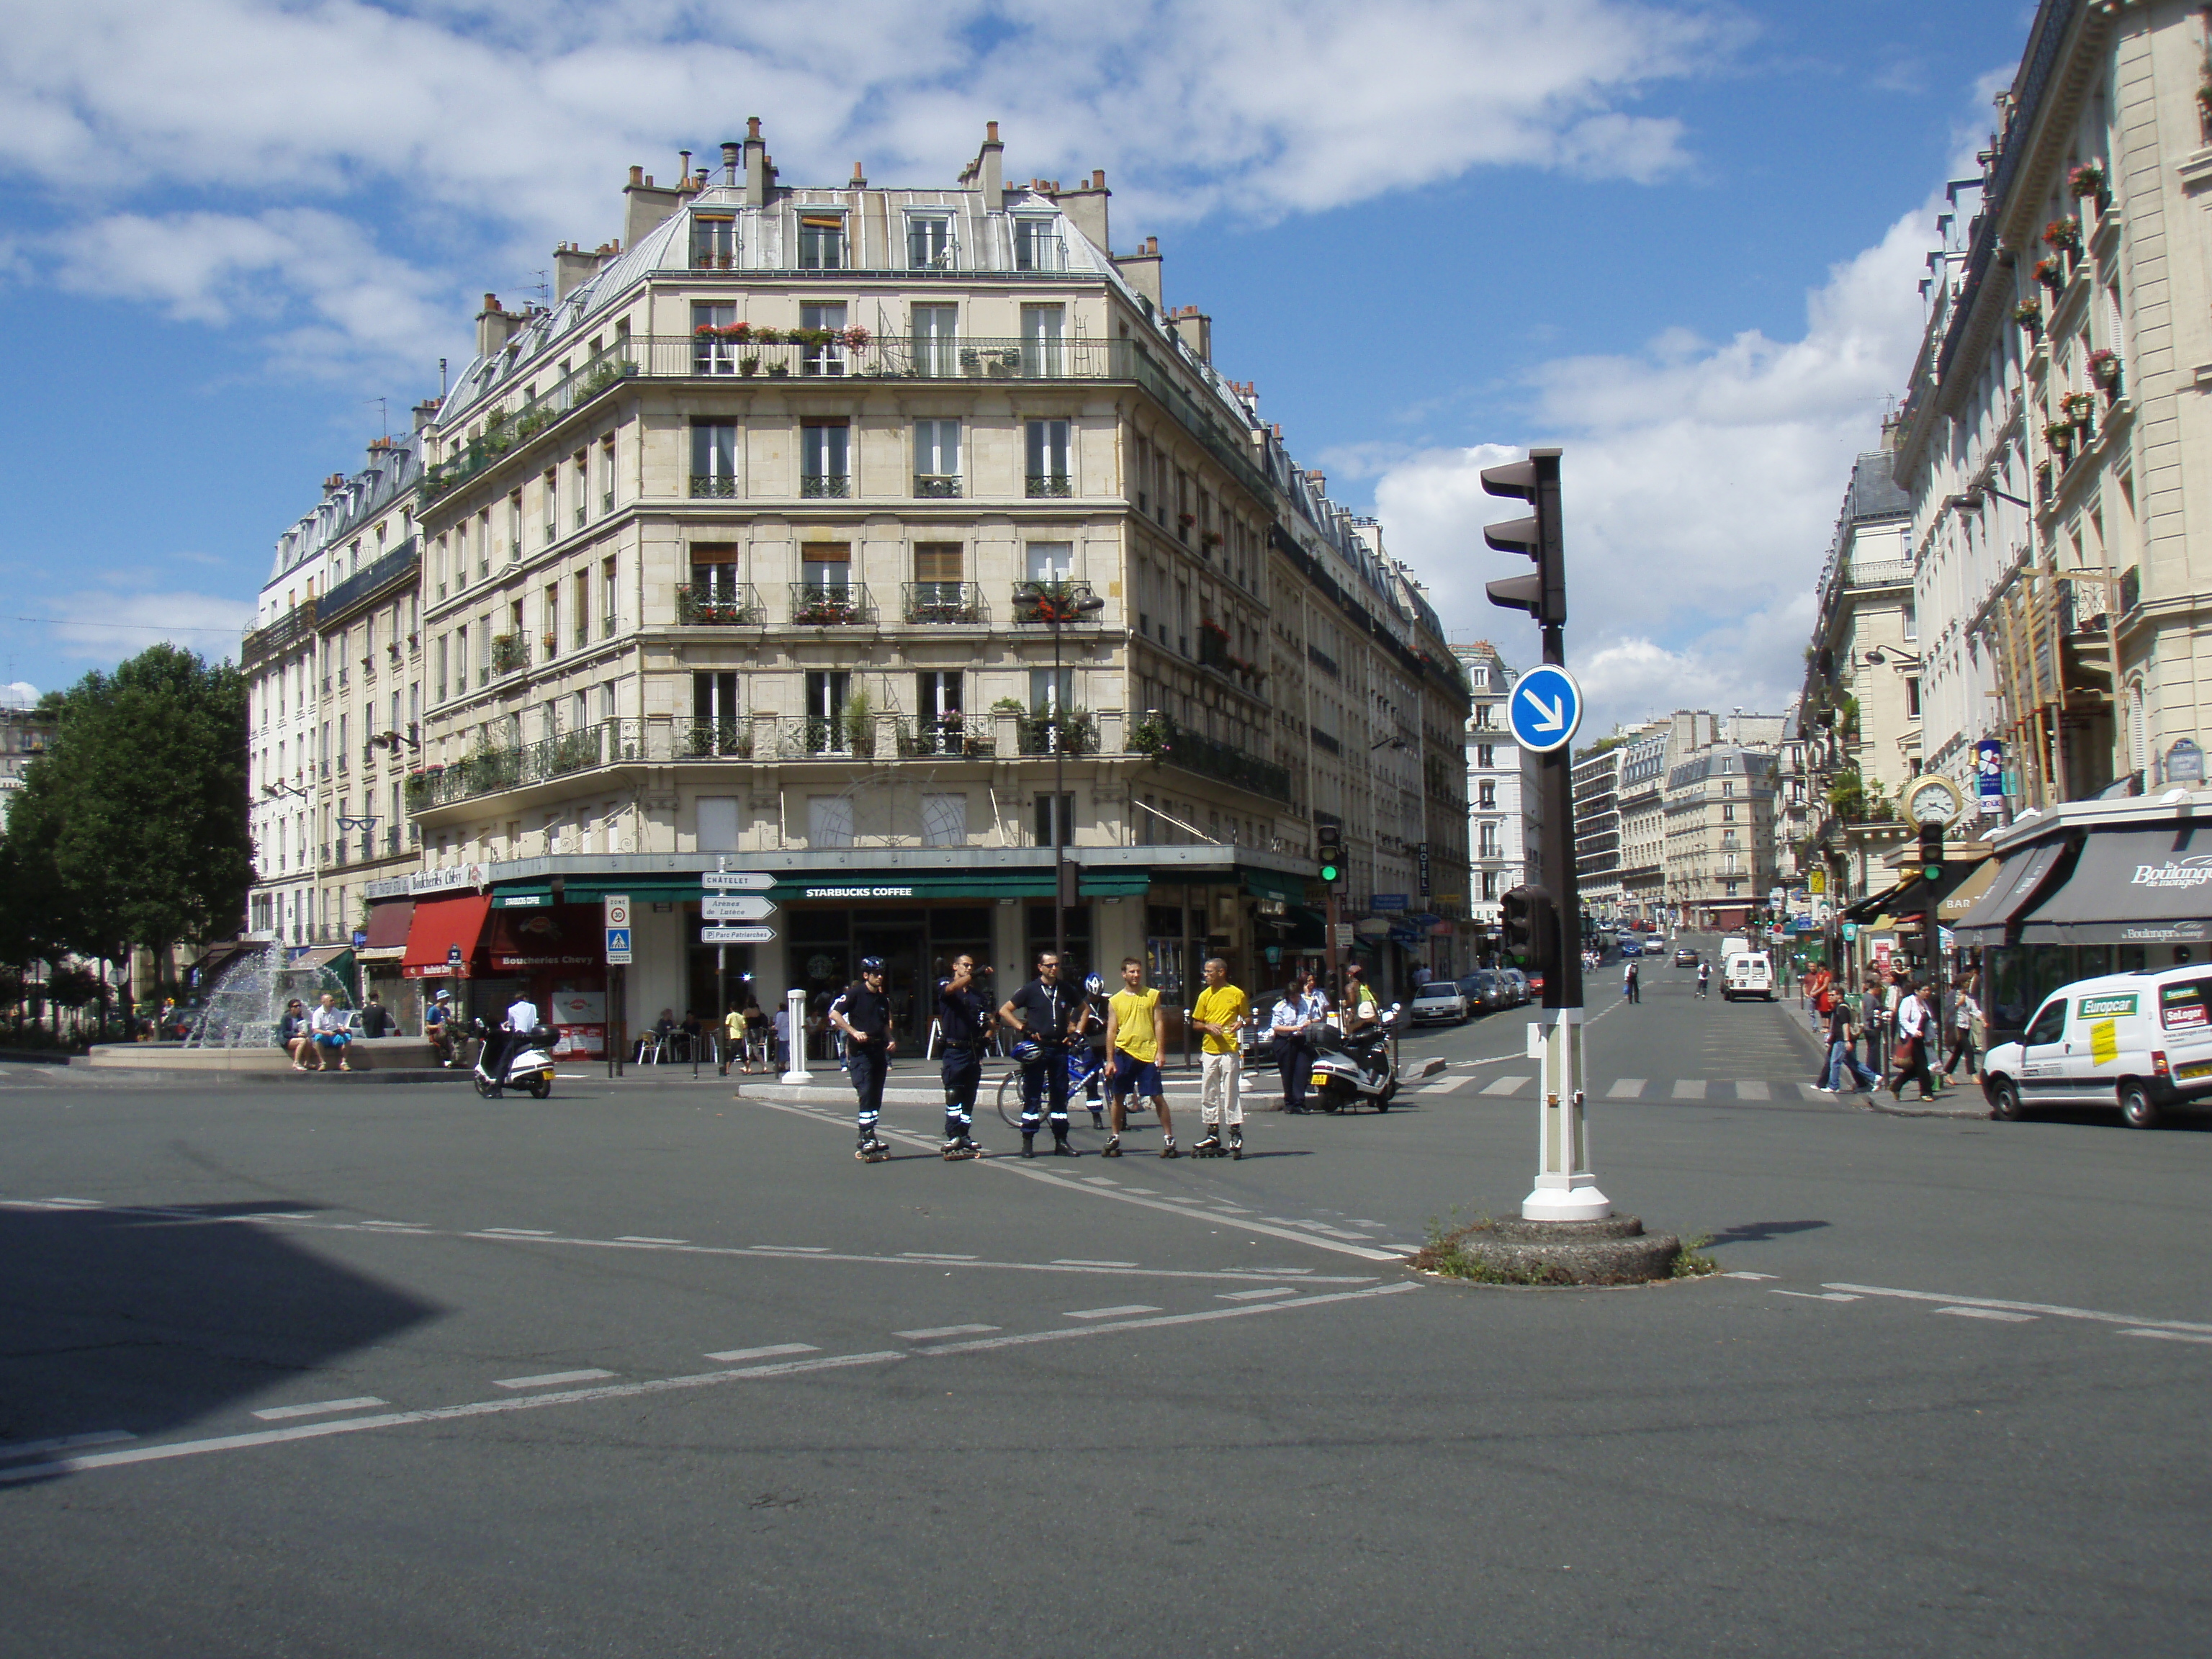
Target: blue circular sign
(1544, 709)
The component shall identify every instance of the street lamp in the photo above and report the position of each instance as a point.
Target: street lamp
(1055, 605)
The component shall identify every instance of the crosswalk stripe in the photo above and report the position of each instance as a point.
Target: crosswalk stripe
(1689, 1088)
(1445, 1085)
(1507, 1085)
(1627, 1088)
(1750, 1089)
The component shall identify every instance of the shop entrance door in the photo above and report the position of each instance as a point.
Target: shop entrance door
(900, 938)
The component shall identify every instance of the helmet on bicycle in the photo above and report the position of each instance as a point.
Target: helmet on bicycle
(1029, 1051)
(1093, 983)
(872, 964)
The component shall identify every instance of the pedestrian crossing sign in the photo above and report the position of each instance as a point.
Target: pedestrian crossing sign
(617, 944)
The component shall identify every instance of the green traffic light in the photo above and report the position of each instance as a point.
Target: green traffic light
(1330, 873)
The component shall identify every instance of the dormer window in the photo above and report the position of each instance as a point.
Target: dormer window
(1035, 246)
(714, 241)
(822, 241)
(929, 242)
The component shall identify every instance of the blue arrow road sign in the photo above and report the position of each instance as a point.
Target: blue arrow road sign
(1546, 707)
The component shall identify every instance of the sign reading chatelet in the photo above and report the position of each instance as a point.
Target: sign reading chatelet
(736, 881)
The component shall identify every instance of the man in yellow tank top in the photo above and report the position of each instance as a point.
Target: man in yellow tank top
(1132, 1057)
(1219, 1014)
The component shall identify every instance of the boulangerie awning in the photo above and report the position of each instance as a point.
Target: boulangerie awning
(2018, 882)
(2134, 887)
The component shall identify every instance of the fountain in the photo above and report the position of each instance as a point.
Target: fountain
(246, 1002)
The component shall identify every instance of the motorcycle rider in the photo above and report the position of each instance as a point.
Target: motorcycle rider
(1046, 1014)
(513, 1032)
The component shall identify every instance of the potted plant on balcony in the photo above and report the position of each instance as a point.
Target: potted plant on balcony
(858, 719)
(2052, 273)
(2028, 313)
(2059, 434)
(2089, 179)
(2081, 408)
(749, 365)
(1152, 736)
(2103, 366)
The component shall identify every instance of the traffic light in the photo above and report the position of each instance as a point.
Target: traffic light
(1328, 844)
(1536, 480)
(1932, 851)
(1529, 928)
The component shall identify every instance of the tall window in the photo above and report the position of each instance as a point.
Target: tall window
(929, 242)
(607, 607)
(1049, 694)
(1487, 791)
(937, 457)
(821, 359)
(936, 335)
(938, 703)
(825, 565)
(1913, 699)
(939, 592)
(714, 241)
(483, 545)
(1046, 815)
(552, 619)
(460, 659)
(713, 713)
(714, 457)
(1049, 562)
(439, 658)
(714, 573)
(825, 446)
(1486, 756)
(822, 241)
(1048, 473)
(1041, 328)
(583, 591)
(827, 695)
(710, 353)
(1035, 246)
(1489, 840)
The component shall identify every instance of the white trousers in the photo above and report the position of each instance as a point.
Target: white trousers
(1220, 1082)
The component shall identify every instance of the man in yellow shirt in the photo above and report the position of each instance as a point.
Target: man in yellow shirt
(1219, 1014)
(1132, 1057)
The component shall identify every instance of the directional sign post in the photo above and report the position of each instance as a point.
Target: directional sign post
(736, 935)
(736, 881)
(736, 907)
(1546, 710)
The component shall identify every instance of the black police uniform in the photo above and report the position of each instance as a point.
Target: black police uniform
(962, 1017)
(1045, 1011)
(869, 1013)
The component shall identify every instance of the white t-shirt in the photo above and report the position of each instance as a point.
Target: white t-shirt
(522, 1015)
(326, 1019)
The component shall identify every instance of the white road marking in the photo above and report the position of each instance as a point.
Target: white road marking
(1507, 1085)
(1989, 1313)
(1816, 1295)
(2168, 1336)
(936, 1255)
(1445, 1086)
(360, 1402)
(944, 1330)
(797, 1249)
(1254, 1296)
(406, 1226)
(77, 1203)
(1627, 1088)
(1076, 1261)
(550, 1379)
(90, 1460)
(1142, 1192)
(1751, 1088)
(1100, 1181)
(1745, 1275)
(1128, 1311)
(640, 1238)
(732, 1356)
(1279, 1270)
(65, 1443)
(1690, 1088)
(2052, 1308)
(517, 1232)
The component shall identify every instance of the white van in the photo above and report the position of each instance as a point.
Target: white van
(2142, 1041)
(1747, 974)
(1733, 944)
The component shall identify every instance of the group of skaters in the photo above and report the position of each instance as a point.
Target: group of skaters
(1066, 1037)
(1905, 1026)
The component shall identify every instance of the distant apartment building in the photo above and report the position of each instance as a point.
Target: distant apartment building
(1596, 783)
(1500, 792)
(1640, 789)
(1719, 809)
(25, 732)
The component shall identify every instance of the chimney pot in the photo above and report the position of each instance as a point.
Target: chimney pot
(637, 175)
(685, 172)
(859, 173)
(1098, 179)
(752, 126)
(731, 151)
(990, 132)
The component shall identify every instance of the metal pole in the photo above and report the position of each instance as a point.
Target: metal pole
(721, 1008)
(1059, 821)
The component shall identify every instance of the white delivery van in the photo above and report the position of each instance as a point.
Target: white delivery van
(1732, 944)
(1747, 974)
(2140, 1041)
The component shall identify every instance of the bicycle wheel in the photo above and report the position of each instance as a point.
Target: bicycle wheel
(1010, 1098)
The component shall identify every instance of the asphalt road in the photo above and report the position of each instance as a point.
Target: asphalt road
(646, 1371)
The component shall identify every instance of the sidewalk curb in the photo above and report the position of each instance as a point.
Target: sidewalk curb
(1925, 1109)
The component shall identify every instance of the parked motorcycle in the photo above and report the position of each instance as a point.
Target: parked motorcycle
(527, 1064)
(1360, 1070)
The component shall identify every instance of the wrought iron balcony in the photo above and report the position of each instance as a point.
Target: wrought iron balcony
(713, 486)
(717, 604)
(815, 605)
(1054, 484)
(510, 652)
(827, 486)
(1073, 733)
(1159, 737)
(936, 486)
(942, 602)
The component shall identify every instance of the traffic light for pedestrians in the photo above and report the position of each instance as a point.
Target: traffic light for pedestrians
(1528, 928)
(1328, 844)
(1536, 480)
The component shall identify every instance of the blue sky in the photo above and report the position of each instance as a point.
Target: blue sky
(1681, 240)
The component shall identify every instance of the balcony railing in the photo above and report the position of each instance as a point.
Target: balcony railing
(936, 486)
(818, 606)
(825, 487)
(504, 429)
(1048, 484)
(1072, 733)
(1159, 737)
(510, 652)
(713, 486)
(720, 604)
(942, 602)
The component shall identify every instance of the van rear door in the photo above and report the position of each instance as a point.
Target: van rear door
(2184, 1031)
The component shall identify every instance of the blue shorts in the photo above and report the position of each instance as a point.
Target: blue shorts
(333, 1039)
(1134, 1077)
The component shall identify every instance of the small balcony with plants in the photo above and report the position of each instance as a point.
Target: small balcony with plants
(949, 737)
(510, 653)
(1072, 731)
(843, 605)
(719, 604)
(1157, 737)
(942, 602)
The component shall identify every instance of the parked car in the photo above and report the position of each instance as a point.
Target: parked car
(2142, 1041)
(1686, 958)
(1485, 991)
(1522, 986)
(1440, 1002)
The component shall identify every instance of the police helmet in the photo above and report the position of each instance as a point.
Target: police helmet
(1093, 983)
(872, 964)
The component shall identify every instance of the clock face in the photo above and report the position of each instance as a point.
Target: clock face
(1930, 803)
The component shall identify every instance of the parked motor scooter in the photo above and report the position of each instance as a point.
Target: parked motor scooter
(528, 1063)
(1360, 1070)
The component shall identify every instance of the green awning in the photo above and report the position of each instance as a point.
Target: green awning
(1274, 885)
(521, 898)
(867, 890)
(1116, 883)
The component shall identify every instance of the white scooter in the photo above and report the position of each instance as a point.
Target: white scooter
(1361, 1069)
(528, 1065)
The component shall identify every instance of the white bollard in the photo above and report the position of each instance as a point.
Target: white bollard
(794, 1005)
(1566, 1188)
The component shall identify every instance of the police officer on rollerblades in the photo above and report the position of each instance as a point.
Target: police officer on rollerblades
(964, 1018)
(1046, 1014)
(863, 1013)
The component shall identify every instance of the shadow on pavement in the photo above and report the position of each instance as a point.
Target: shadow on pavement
(115, 1319)
(1761, 1232)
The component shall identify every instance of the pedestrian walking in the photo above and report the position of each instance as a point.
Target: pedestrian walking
(757, 1034)
(1705, 978)
(1287, 1029)
(1632, 986)
(863, 1014)
(964, 1018)
(1966, 1011)
(1910, 1056)
(1219, 1014)
(1047, 1017)
(733, 1038)
(1843, 1030)
(781, 1027)
(1132, 1057)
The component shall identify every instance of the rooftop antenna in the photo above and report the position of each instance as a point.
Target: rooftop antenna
(383, 411)
(441, 379)
(545, 288)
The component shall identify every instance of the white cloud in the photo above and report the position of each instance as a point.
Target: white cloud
(232, 137)
(1701, 484)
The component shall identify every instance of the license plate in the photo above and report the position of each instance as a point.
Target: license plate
(2194, 1070)
(1320, 1079)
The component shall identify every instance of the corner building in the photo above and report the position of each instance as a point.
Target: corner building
(734, 555)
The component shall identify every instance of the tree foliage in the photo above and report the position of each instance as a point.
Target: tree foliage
(131, 829)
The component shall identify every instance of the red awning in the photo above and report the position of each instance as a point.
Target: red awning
(438, 926)
(388, 924)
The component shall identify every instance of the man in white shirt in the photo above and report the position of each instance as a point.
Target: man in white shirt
(521, 1020)
(329, 1028)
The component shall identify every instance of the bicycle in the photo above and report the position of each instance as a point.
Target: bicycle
(1081, 1073)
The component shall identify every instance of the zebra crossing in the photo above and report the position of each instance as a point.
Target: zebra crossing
(1715, 1090)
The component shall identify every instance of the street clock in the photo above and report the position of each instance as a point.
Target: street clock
(1933, 801)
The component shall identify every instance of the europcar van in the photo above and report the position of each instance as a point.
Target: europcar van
(1747, 974)
(2142, 1041)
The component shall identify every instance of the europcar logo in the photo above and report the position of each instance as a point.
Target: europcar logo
(2195, 871)
(2106, 1007)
